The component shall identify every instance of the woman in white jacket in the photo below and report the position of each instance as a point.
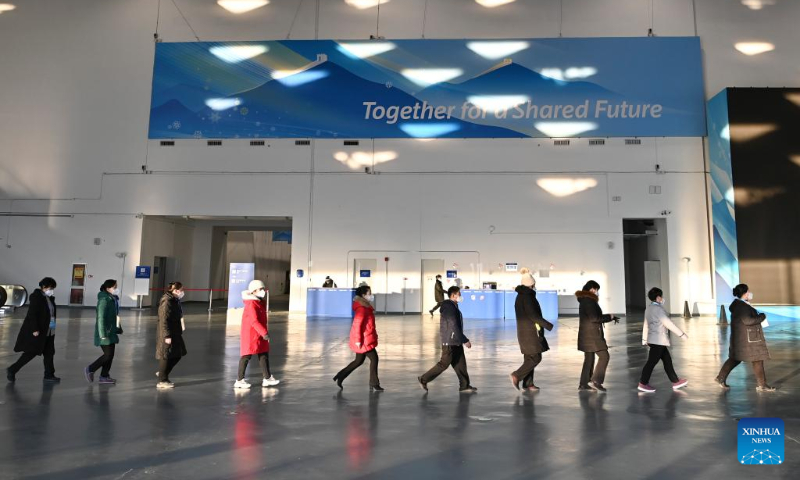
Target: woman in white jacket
(657, 326)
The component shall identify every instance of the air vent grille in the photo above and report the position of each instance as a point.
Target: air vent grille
(633, 141)
(597, 142)
(561, 143)
(257, 143)
(655, 190)
(616, 198)
(302, 142)
(167, 143)
(351, 143)
(214, 143)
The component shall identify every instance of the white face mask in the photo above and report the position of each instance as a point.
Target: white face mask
(114, 291)
(179, 294)
(459, 299)
(261, 293)
(370, 298)
(49, 293)
(749, 297)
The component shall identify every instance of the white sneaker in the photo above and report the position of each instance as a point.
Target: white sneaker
(241, 384)
(270, 382)
(167, 384)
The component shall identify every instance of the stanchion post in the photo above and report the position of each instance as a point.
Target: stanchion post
(267, 292)
(210, 298)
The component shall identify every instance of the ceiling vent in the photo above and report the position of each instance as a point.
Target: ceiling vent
(655, 190)
(167, 143)
(633, 141)
(597, 142)
(616, 198)
(302, 142)
(214, 143)
(351, 143)
(257, 143)
(561, 143)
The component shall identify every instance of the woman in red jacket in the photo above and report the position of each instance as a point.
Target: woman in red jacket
(255, 336)
(363, 338)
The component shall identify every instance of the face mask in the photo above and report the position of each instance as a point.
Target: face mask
(261, 293)
(459, 299)
(114, 291)
(370, 298)
(49, 293)
(661, 302)
(179, 294)
(749, 296)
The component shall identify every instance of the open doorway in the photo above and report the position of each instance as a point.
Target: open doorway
(198, 251)
(646, 260)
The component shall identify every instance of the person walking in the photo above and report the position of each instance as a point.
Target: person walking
(170, 347)
(363, 339)
(530, 334)
(655, 334)
(255, 335)
(328, 283)
(451, 331)
(747, 339)
(37, 335)
(105, 333)
(591, 340)
(438, 294)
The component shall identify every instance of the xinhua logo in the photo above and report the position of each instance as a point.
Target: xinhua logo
(760, 441)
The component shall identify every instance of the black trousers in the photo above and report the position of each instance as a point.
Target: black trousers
(49, 351)
(658, 352)
(525, 371)
(438, 305)
(451, 356)
(359, 360)
(592, 372)
(105, 360)
(758, 370)
(263, 360)
(165, 366)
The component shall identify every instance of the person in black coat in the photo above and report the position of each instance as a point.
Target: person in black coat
(170, 346)
(451, 331)
(530, 332)
(38, 333)
(591, 339)
(747, 339)
(438, 294)
(328, 283)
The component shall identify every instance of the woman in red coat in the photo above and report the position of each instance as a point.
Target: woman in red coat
(255, 336)
(363, 338)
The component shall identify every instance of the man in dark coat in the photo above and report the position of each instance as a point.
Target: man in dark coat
(451, 331)
(328, 283)
(591, 339)
(38, 333)
(747, 339)
(438, 294)
(530, 335)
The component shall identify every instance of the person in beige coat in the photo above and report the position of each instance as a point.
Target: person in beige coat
(655, 334)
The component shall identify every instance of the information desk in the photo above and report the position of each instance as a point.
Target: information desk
(548, 300)
(330, 302)
(482, 304)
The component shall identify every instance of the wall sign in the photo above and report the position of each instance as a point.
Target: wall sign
(511, 267)
(240, 276)
(555, 87)
(365, 273)
(452, 274)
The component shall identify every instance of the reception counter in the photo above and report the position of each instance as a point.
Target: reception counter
(477, 304)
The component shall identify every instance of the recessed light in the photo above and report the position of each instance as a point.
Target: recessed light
(754, 48)
(493, 3)
(757, 4)
(241, 6)
(364, 4)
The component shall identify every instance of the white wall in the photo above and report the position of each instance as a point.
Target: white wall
(74, 66)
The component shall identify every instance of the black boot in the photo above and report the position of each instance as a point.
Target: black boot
(376, 388)
(338, 381)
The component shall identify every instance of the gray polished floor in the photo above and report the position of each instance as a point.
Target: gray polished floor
(307, 429)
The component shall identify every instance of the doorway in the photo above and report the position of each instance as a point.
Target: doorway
(646, 260)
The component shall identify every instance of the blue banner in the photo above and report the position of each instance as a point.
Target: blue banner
(240, 276)
(558, 87)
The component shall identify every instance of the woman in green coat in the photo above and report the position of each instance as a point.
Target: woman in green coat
(105, 333)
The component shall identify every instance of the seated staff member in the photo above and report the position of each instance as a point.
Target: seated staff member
(655, 333)
(451, 330)
(38, 333)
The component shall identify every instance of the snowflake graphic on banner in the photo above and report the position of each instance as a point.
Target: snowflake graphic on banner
(198, 134)
(214, 117)
(176, 124)
(761, 457)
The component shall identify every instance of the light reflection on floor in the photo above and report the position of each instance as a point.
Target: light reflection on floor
(307, 429)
